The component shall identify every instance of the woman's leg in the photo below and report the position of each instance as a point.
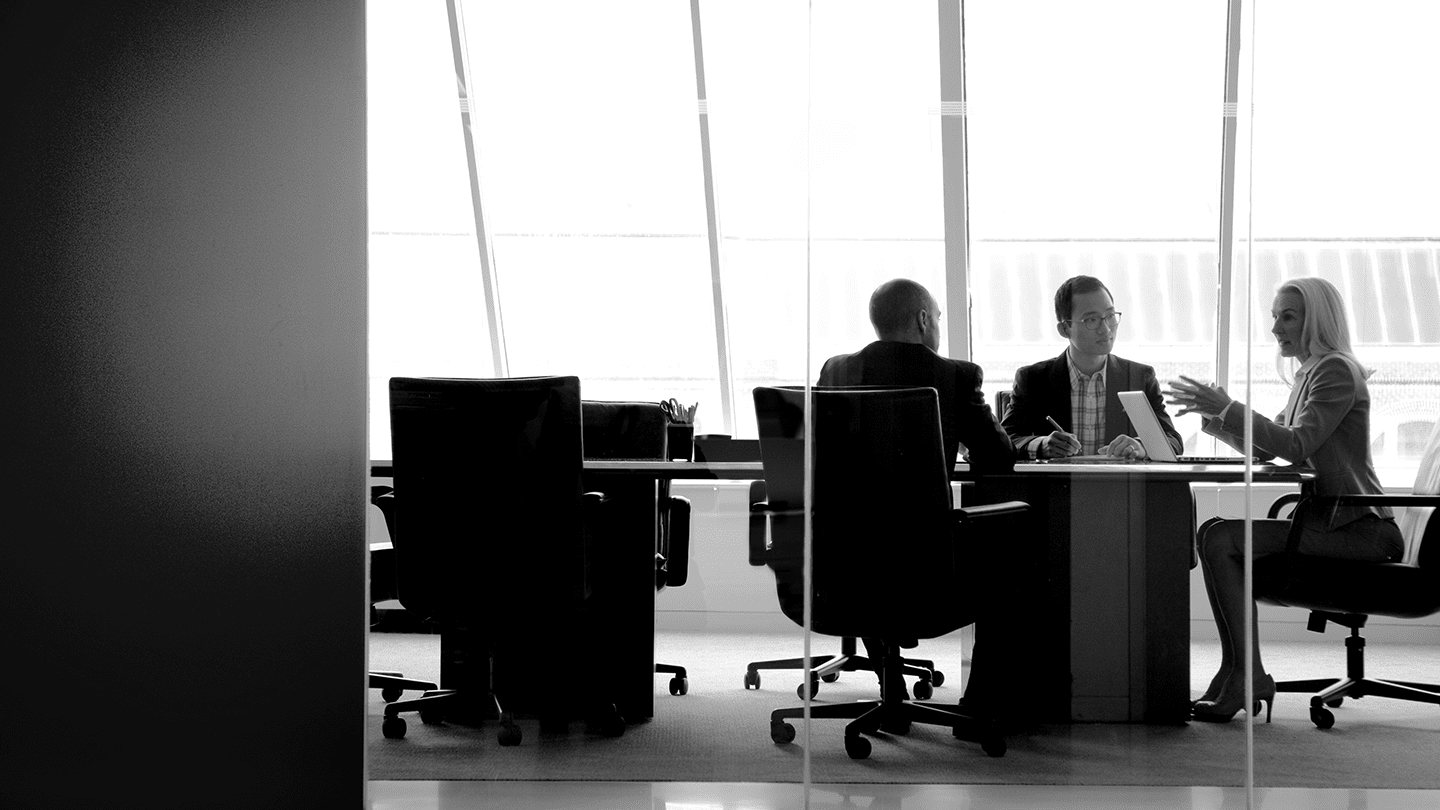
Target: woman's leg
(1213, 547)
(1222, 560)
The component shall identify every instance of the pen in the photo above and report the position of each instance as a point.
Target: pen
(1054, 424)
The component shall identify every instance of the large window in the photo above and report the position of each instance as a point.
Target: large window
(1094, 145)
(687, 200)
(1344, 180)
(1094, 149)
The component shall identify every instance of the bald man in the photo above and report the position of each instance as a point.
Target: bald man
(907, 322)
(906, 318)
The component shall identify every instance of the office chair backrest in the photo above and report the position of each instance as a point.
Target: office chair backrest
(881, 506)
(637, 430)
(623, 430)
(487, 487)
(1002, 403)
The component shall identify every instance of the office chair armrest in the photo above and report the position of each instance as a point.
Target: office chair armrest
(759, 513)
(677, 551)
(1335, 501)
(1281, 502)
(1385, 500)
(385, 502)
(989, 510)
(757, 522)
(589, 499)
(757, 532)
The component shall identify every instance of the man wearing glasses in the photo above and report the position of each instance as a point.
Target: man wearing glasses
(1067, 406)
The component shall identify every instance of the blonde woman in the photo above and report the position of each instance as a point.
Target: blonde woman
(1325, 428)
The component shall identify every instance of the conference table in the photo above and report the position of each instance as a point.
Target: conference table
(1109, 548)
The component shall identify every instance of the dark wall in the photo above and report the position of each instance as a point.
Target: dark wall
(182, 327)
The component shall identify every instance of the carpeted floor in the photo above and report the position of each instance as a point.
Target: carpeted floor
(720, 731)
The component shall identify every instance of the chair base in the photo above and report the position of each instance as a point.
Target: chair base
(892, 717)
(827, 668)
(893, 714)
(441, 705)
(436, 705)
(393, 684)
(1331, 692)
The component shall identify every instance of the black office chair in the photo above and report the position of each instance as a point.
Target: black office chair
(1347, 592)
(490, 543)
(884, 535)
(825, 668)
(1002, 404)
(637, 430)
(392, 685)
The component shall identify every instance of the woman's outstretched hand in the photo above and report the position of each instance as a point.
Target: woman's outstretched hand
(1193, 396)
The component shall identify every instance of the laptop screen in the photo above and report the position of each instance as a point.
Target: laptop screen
(1147, 426)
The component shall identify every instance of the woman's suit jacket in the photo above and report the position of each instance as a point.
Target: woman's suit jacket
(1044, 390)
(1330, 434)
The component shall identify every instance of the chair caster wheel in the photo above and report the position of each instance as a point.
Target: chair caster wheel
(923, 690)
(782, 732)
(937, 678)
(1335, 702)
(390, 694)
(831, 678)
(1322, 717)
(432, 717)
(752, 679)
(814, 685)
(393, 728)
(608, 722)
(679, 686)
(994, 746)
(856, 746)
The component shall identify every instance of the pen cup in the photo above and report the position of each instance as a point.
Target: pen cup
(679, 441)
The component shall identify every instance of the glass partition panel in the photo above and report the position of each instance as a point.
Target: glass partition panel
(823, 155)
(589, 165)
(427, 302)
(592, 185)
(1095, 145)
(1342, 190)
(1095, 149)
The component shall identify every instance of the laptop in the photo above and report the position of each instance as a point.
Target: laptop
(1147, 425)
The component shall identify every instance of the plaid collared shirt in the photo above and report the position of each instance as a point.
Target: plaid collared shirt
(1087, 409)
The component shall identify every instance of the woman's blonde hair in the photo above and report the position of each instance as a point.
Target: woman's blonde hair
(1326, 329)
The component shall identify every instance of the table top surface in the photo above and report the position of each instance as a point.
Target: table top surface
(750, 470)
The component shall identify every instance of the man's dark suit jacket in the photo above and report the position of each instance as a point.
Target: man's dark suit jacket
(1044, 390)
(965, 417)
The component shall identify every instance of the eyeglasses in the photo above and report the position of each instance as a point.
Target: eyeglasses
(1112, 320)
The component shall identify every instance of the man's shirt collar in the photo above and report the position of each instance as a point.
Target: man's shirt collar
(1077, 377)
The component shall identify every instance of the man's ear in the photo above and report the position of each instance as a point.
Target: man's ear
(1063, 327)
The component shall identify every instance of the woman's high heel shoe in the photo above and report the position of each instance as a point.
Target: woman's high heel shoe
(1221, 711)
(1216, 685)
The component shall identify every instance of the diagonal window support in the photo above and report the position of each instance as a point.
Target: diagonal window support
(498, 355)
(954, 169)
(712, 231)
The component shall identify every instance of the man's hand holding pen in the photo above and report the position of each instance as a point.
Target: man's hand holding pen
(1059, 444)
